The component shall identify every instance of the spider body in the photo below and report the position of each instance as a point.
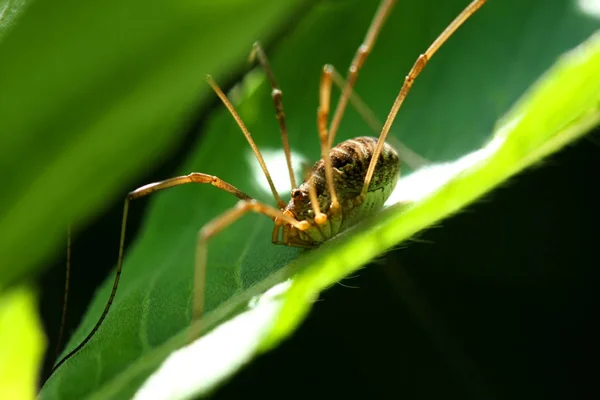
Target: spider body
(350, 161)
(350, 182)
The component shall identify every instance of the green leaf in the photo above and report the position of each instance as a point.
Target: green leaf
(21, 344)
(9, 11)
(91, 92)
(562, 106)
(451, 111)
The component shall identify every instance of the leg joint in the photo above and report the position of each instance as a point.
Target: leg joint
(277, 95)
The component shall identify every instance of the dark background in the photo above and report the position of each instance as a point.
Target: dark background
(498, 301)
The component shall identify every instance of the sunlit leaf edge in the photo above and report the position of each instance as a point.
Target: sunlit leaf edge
(22, 343)
(560, 107)
(563, 105)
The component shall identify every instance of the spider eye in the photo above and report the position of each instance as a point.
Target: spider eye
(296, 193)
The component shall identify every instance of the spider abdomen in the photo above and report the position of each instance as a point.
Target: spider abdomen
(350, 161)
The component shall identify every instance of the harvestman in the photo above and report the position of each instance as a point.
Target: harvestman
(350, 182)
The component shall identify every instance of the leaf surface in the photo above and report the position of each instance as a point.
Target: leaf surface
(451, 112)
(92, 92)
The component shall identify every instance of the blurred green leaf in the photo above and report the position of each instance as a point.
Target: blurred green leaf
(93, 91)
(450, 112)
(21, 344)
(9, 11)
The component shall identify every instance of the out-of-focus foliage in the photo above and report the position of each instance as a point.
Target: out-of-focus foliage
(91, 92)
(21, 344)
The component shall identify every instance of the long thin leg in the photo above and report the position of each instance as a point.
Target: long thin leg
(320, 218)
(384, 10)
(410, 79)
(322, 114)
(217, 225)
(280, 203)
(277, 96)
(63, 318)
(361, 107)
(194, 177)
(411, 158)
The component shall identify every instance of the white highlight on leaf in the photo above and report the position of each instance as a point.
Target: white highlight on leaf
(277, 166)
(3, 11)
(200, 366)
(429, 179)
(271, 294)
(589, 7)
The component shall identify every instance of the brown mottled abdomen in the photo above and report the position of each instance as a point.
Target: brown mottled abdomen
(351, 159)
